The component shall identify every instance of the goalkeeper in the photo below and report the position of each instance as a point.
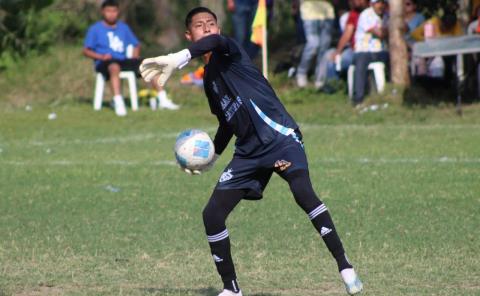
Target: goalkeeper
(267, 140)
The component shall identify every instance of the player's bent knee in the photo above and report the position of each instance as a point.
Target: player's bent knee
(302, 190)
(213, 217)
(220, 205)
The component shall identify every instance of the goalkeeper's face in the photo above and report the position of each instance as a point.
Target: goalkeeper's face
(203, 24)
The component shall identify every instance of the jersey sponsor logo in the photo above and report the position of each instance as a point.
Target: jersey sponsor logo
(115, 43)
(216, 258)
(225, 101)
(324, 231)
(226, 176)
(232, 108)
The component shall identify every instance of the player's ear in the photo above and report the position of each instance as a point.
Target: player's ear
(188, 35)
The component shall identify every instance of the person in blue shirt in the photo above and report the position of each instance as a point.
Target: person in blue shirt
(413, 19)
(268, 140)
(114, 48)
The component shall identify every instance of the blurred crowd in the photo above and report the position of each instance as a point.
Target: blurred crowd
(363, 42)
(335, 44)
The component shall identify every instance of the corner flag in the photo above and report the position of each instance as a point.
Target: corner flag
(259, 32)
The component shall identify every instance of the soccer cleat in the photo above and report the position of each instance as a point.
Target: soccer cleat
(119, 106)
(352, 282)
(230, 293)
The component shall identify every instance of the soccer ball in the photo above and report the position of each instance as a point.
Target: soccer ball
(194, 149)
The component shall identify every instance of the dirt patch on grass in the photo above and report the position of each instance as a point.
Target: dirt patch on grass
(46, 289)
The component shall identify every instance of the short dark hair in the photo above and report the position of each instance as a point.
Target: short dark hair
(197, 10)
(106, 3)
(449, 19)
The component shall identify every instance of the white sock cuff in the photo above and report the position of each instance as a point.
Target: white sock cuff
(317, 211)
(218, 237)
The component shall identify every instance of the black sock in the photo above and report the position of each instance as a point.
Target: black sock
(306, 198)
(232, 286)
(324, 224)
(220, 248)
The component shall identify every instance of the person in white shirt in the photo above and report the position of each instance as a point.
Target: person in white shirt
(370, 45)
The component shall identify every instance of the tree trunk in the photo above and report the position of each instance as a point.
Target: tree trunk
(398, 46)
(172, 28)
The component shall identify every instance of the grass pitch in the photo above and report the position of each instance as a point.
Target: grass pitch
(92, 204)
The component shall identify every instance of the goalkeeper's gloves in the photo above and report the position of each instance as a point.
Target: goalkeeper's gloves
(162, 67)
(208, 167)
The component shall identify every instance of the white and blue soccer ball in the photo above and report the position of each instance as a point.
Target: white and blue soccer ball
(194, 149)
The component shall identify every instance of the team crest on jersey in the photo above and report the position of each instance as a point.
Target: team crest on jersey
(226, 176)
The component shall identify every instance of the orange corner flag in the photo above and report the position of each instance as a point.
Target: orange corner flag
(259, 23)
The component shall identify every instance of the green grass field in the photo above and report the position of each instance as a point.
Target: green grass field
(92, 204)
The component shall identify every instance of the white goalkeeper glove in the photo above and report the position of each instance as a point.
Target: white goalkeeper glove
(208, 167)
(162, 67)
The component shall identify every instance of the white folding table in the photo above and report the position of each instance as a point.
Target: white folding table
(450, 46)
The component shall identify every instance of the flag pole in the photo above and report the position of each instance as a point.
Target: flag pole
(259, 33)
(264, 52)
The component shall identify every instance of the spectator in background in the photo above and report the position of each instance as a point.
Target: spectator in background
(344, 13)
(473, 29)
(317, 17)
(445, 26)
(243, 13)
(297, 18)
(107, 43)
(413, 19)
(338, 59)
(370, 45)
(474, 4)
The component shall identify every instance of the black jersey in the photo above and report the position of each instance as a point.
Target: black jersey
(242, 99)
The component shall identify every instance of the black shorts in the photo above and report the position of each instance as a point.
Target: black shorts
(254, 173)
(125, 65)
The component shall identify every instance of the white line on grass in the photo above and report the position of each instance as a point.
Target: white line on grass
(111, 140)
(84, 163)
(386, 161)
(366, 160)
(303, 126)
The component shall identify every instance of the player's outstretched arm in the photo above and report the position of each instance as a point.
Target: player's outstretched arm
(162, 67)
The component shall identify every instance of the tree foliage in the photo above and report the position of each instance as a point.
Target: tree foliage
(33, 25)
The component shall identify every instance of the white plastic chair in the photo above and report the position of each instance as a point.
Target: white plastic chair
(132, 85)
(100, 87)
(378, 69)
